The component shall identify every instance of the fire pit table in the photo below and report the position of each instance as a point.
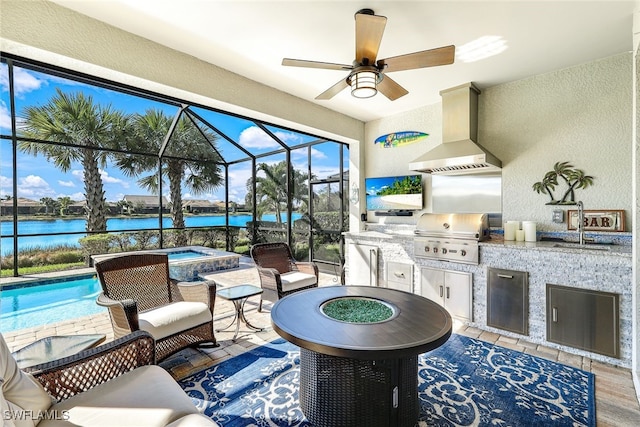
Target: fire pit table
(363, 371)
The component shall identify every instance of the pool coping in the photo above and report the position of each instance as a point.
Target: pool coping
(7, 283)
(202, 249)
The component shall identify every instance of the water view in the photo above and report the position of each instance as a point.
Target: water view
(78, 225)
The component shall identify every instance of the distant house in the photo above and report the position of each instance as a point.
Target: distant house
(200, 206)
(25, 207)
(146, 204)
(233, 206)
(77, 207)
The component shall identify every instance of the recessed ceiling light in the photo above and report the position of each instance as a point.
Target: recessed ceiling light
(481, 48)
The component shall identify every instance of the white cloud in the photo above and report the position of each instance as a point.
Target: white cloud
(34, 187)
(5, 116)
(317, 154)
(76, 197)
(66, 183)
(23, 81)
(254, 137)
(6, 186)
(106, 178)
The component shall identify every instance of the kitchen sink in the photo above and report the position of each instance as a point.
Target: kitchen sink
(587, 246)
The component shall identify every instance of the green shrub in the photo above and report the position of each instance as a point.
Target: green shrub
(95, 244)
(65, 257)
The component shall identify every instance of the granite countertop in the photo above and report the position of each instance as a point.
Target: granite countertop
(559, 246)
(407, 232)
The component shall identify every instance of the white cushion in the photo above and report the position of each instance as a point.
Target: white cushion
(193, 420)
(20, 392)
(295, 280)
(146, 396)
(173, 318)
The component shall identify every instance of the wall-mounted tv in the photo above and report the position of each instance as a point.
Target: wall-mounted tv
(392, 193)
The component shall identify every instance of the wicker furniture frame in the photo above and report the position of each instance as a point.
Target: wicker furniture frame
(66, 377)
(138, 282)
(274, 259)
(355, 374)
(343, 391)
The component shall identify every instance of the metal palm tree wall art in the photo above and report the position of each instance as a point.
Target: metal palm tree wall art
(563, 172)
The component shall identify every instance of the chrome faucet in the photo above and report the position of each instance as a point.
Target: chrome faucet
(580, 223)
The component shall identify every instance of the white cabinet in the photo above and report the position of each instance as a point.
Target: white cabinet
(450, 289)
(363, 265)
(399, 276)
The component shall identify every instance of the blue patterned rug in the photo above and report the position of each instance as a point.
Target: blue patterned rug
(465, 382)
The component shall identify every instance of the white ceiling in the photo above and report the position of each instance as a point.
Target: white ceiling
(250, 38)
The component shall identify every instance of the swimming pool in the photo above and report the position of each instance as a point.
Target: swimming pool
(48, 301)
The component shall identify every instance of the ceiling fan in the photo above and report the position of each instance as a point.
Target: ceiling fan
(367, 75)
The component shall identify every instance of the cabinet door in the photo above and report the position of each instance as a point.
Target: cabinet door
(400, 276)
(583, 319)
(457, 294)
(363, 265)
(508, 300)
(432, 284)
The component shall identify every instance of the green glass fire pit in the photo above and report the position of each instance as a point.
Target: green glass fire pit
(358, 310)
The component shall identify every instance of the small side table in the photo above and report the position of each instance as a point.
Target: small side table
(55, 347)
(238, 295)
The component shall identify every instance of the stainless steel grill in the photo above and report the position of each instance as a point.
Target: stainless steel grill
(451, 237)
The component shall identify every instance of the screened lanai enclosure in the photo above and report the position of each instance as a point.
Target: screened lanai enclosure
(90, 166)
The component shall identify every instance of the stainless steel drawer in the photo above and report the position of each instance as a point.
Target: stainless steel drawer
(399, 275)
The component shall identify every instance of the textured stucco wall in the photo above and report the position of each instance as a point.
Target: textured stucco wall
(582, 115)
(395, 161)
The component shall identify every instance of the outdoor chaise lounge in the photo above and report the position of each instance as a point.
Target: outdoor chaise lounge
(115, 384)
(140, 295)
(280, 274)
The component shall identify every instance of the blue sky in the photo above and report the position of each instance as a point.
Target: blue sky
(37, 178)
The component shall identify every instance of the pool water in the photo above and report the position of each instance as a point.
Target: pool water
(48, 301)
(182, 255)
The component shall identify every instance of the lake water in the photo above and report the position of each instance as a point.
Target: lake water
(78, 225)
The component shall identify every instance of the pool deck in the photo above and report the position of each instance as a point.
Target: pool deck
(616, 400)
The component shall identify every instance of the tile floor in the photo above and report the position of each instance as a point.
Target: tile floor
(616, 400)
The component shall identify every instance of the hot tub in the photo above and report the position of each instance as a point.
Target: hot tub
(189, 262)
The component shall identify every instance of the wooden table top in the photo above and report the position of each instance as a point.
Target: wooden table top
(419, 326)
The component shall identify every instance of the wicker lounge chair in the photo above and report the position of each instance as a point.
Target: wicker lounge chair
(140, 295)
(115, 384)
(280, 274)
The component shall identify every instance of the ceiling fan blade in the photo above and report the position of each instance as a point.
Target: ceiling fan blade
(369, 30)
(427, 58)
(315, 64)
(392, 90)
(333, 90)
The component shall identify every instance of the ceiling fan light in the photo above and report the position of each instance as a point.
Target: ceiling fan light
(364, 84)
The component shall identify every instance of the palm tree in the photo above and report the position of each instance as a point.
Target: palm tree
(577, 179)
(271, 189)
(74, 119)
(49, 204)
(547, 185)
(189, 161)
(64, 203)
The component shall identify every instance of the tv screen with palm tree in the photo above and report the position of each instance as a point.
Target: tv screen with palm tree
(394, 193)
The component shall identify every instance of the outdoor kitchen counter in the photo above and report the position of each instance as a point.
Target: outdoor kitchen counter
(543, 261)
(566, 247)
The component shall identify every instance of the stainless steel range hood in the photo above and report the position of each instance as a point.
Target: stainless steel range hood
(459, 152)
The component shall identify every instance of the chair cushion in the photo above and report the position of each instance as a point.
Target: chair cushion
(297, 280)
(174, 318)
(20, 391)
(146, 396)
(194, 420)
